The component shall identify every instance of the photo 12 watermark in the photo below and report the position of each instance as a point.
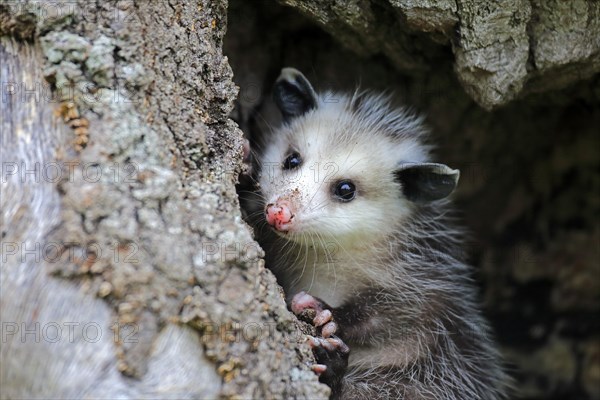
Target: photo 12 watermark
(68, 252)
(20, 92)
(67, 332)
(68, 171)
(51, 12)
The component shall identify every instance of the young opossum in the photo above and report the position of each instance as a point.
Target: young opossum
(359, 239)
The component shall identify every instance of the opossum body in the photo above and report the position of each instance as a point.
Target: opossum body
(358, 235)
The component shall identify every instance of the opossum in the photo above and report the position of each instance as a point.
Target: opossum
(354, 219)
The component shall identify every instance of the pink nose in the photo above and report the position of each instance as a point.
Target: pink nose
(279, 215)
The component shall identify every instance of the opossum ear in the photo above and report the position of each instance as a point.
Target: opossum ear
(293, 93)
(426, 182)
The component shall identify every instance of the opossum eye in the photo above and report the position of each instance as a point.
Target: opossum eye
(292, 161)
(344, 190)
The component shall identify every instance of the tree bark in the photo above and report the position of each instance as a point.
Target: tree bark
(127, 271)
(503, 50)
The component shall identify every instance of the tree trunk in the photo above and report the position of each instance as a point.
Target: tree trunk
(127, 271)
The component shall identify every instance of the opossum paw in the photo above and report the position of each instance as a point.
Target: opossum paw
(314, 311)
(331, 355)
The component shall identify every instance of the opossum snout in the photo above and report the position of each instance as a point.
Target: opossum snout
(279, 215)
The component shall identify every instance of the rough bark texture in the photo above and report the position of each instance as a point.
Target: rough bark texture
(127, 271)
(502, 49)
(529, 170)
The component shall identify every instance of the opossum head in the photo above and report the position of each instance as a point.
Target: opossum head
(345, 168)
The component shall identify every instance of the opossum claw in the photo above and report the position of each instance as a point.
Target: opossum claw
(319, 369)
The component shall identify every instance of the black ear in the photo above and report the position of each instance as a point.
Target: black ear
(426, 182)
(293, 93)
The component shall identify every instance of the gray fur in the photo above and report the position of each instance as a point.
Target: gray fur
(391, 268)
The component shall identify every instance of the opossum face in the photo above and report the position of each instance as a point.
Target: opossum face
(333, 173)
(315, 186)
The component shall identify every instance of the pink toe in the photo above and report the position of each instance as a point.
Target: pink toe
(322, 318)
(336, 343)
(328, 329)
(319, 368)
(312, 341)
(328, 345)
(302, 301)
